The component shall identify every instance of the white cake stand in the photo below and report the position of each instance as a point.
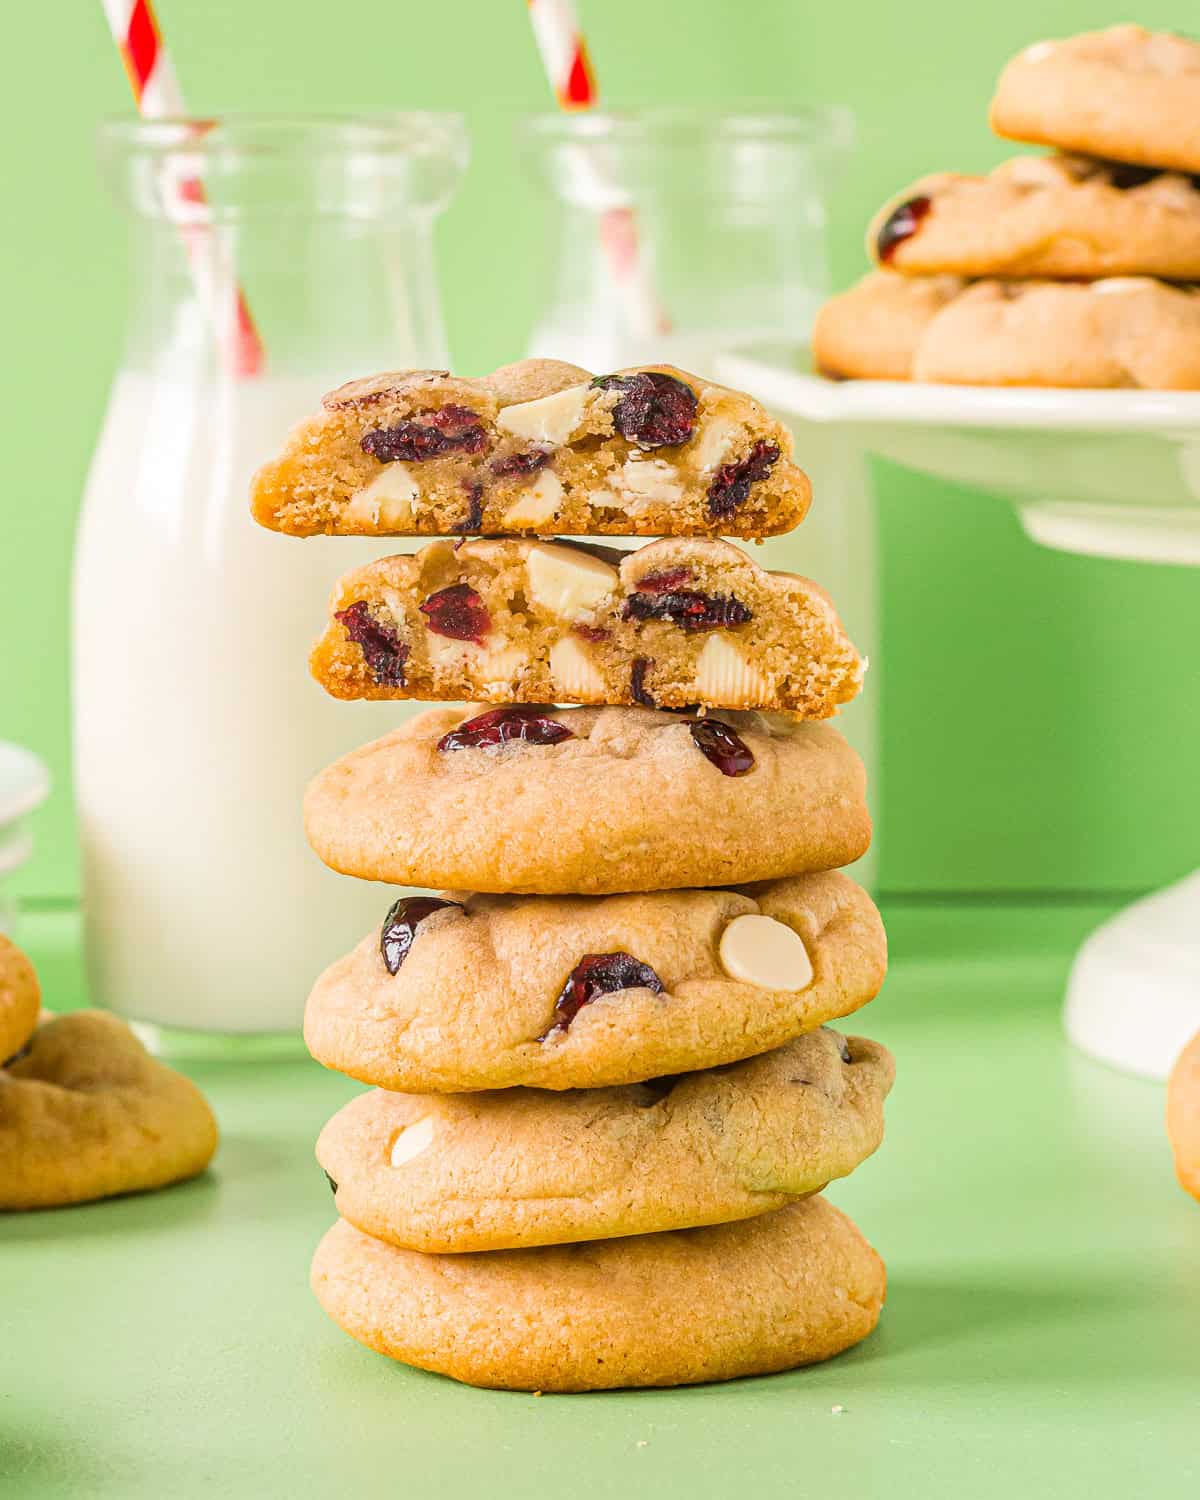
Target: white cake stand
(1107, 473)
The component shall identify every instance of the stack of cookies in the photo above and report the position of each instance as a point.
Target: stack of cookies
(1072, 269)
(605, 1097)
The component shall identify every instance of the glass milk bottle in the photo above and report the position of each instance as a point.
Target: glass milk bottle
(271, 259)
(698, 239)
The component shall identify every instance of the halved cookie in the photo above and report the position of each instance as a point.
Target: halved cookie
(538, 447)
(470, 992)
(88, 1113)
(590, 801)
(785, 1289)
(672, 624)
(1044, 216)
(516, 1167)
(20, 999)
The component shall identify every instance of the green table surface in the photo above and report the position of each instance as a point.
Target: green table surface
(1041, 1337)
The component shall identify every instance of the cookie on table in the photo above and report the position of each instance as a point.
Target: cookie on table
(590, 801)
(1044, 216)
(514, 1168)
(87, 1113)
(1183, 1116)
(490, 992)
(1126, 93)
(672, 624)
(20, 1000)
(872, 331)
(538, 447)
(788, 1288)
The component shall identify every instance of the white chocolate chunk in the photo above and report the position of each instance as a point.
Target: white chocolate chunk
(550, 419)
(1122, 284)
(387, 500)
(713, 448)
(759, 950)
(574, 672)
(650, 479)
(537, 503)
(1039, 52)
(498, 667)
(567, 581)
(412, 1140)
(725, 677)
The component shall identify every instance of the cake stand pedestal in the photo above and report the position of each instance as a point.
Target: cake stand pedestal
(1105, 473)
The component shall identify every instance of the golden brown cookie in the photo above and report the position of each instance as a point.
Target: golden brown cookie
(1044, 216)
(785, 1289)
(1126, 93)
(581, 992)
(20, 999)
(1183, 1116)
(87, 1113)
(539, 448)
(873, 330)
(517, 1167)
(590, 800)
(673, 624)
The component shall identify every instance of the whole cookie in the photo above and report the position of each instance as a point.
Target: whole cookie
(584, 992)
(1183, 1116)
(786, 1289)
(514, 1168)
(20, 999)
(1044, 216)
(87, 1113)
(591, 800)
(1126, 93)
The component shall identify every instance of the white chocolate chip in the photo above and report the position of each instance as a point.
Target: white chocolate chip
(498, 667)
(387, 500)
(724, 676)
(567, 581)
(550, 419)
(713, 448)
(574, 672)
(537, 503)
(650, 479)
(1039, 52)
(1122, 284)
(759, 950)
(412, 1140)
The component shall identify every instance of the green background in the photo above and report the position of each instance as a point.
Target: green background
(1040, 711)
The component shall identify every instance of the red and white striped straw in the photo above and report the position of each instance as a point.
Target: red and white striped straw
(568, 66)
(156, 92)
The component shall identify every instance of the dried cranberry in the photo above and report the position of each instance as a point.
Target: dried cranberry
(521, 463)
(457, 613)
(450, 429)
(900, 225)
(400, 926)
(500, 725)
(1124, 175)
(637, 682)
(591, 632)
(665, 582)
(730, 486)
(655, 411)
(383, 650)
(474, 520)
(332, 1184)
(689, 609)
(599, 974)
(719, 743)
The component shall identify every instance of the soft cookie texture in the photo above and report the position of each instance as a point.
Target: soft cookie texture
(87, 1113)
(674, 624)
(1126, 93)
(606, 799)
(785, 1289)
(1044, 216)
(1118, 332)
(20, 999)
(1183, 1116)
(538, 447)
(487, 996)
(514, 1168)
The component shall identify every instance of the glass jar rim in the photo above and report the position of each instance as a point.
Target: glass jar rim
(399, 133)
(821, 126)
